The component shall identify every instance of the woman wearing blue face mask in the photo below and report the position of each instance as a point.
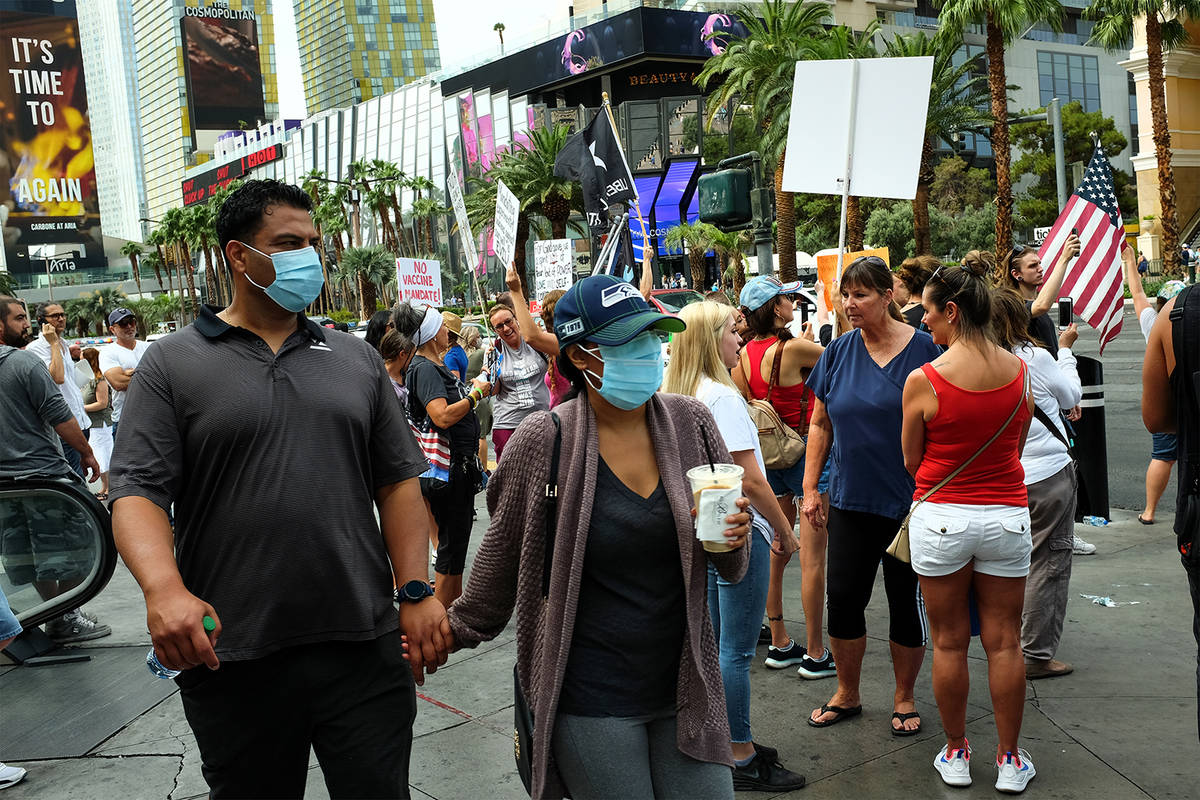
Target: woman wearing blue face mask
(618, 660)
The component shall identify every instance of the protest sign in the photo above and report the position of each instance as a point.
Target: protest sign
(554, 265)
(419, 279)
(464, 225)
(827, 264)
(505, 236)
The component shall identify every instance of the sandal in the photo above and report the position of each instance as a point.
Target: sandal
(902, 731)
(102, 496)
(842, 714)
(1145, 521)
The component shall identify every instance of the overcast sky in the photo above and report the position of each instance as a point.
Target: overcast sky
(464, 32)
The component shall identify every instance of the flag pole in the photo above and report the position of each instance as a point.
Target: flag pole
(617, 137)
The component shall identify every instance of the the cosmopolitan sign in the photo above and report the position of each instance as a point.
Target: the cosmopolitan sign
(217, 11)
(206, 184)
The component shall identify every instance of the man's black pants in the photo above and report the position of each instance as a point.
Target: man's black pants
(1193, 573)
(353, 702)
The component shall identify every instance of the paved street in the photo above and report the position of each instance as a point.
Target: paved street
(1128, 442)
(1123, 726)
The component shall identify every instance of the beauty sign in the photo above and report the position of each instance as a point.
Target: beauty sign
(554, 266)
(419, 279)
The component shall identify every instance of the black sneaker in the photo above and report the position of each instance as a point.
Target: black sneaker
(764, 634)
(761, 775)
(814, 669)
(778, 658)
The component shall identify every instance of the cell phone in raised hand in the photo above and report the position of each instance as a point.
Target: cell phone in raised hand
(1064, 313)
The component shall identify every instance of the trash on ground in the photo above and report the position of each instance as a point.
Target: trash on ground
(1108, 602)
(1096, 522)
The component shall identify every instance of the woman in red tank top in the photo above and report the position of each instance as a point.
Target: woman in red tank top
(768, 311)
(971, 406)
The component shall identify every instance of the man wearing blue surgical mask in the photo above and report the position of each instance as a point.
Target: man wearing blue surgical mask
(225, 420)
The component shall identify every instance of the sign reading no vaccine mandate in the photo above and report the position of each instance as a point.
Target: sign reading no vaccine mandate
(419, 279)
(47, 175)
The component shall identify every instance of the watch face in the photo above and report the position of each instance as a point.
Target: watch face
(415, 590)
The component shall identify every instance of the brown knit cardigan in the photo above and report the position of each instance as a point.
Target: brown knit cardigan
(507, 570)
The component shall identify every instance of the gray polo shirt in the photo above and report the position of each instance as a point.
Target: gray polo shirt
(272, 461)
(30, 406)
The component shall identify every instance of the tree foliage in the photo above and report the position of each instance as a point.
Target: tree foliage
(892, 227)
(958, 186)
(1039, 205)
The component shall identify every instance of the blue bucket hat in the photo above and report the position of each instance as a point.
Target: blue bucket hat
(759, 290)
(606, 310)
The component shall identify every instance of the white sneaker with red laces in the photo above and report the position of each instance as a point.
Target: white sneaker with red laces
(1014, 772)
(954, 765)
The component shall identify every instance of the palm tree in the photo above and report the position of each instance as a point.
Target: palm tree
(956, 97)
(731, 248)
(529, 172)
(158, 238)
(132, 250)
(499, 28)
(841, 43)
(1165, 32)
(697, 240)
(175, 225)
(368, 267)
(316, 185)
(1003, 22)
(424, 209)
(758, 70)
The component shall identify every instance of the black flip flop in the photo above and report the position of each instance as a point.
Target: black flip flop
(1145, 521)
(902, 731)
(842, 713)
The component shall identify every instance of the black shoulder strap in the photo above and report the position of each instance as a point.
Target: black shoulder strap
(1185, 340)
(1044, 418)
(551, 505)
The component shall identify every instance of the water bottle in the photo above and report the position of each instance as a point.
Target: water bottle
(166, 673)
(1097, 522)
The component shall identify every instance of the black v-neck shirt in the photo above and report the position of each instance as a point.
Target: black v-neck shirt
(631, 618)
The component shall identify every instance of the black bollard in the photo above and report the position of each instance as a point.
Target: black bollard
(1091, 448)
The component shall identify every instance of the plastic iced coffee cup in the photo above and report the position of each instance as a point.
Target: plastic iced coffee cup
(715, 490)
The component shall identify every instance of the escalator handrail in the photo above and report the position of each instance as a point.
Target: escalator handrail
(107, 555)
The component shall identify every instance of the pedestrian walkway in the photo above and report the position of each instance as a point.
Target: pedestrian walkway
(1121, 727)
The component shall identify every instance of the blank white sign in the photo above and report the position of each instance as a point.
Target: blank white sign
(889, 126)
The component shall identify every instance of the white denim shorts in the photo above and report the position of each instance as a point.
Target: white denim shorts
(945, 537)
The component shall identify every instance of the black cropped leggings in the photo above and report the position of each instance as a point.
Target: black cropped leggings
(857, 542)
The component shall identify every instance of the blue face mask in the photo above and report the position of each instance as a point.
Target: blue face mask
(632, 371)
(298, 277)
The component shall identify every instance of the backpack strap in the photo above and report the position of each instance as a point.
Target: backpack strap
(1185, 340)
(551, 506)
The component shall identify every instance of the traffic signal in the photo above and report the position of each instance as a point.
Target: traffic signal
(725, 198)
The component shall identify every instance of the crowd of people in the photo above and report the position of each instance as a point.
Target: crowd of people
(928, 436)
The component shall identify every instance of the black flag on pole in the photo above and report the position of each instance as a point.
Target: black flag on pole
(595, 159)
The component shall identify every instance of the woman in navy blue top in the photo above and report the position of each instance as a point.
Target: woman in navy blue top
(859, 385)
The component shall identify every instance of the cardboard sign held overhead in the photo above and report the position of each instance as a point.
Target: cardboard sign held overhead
(419, 279)
(867, 112)
(554, 265)
(505, 237)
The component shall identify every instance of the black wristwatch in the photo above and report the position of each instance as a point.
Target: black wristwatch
(415, 591)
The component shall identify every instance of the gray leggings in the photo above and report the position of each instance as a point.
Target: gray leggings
(633, 758)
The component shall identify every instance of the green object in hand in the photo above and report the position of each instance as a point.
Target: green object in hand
(210, 624)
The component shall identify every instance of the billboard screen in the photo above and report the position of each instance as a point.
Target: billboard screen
(47, 175)
(224, 77)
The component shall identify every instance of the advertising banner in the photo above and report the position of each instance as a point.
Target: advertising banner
(200, 188)
(419, 279)
(47, 174)
(224, 76)
(508, 207)
(554, 265)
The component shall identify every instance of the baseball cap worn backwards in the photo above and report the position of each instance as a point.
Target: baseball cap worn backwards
(606, 310)
(759, 290)
(118, 314)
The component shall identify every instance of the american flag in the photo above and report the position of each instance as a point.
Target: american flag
(1094, 281)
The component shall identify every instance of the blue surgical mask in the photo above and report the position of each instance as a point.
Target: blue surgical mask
(298, 277)
(632, 371)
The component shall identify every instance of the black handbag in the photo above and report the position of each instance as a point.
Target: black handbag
(522, 714)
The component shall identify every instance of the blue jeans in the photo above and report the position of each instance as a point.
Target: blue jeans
(791, 480)
(73, 458)
(737, 611)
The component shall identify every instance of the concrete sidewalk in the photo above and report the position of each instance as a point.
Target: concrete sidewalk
(1122, 726)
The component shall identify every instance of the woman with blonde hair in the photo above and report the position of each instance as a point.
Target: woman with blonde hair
(702, 356)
